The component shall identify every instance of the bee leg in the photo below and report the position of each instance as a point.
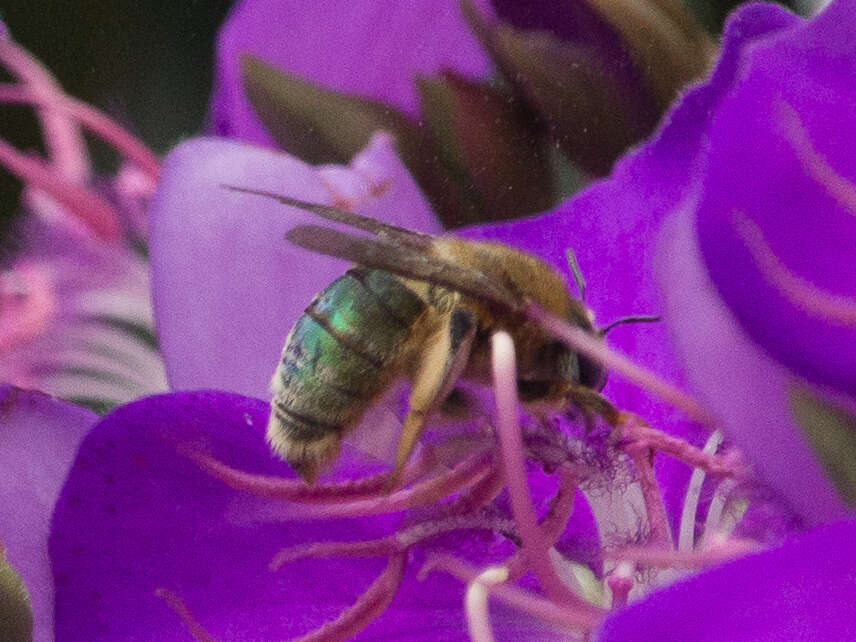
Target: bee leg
(441, 363)
(591, 402)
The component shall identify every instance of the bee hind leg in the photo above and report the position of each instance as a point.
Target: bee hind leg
(440, 365)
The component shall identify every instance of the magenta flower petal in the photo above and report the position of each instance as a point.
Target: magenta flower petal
(370, 48)
(801, 591)
(227, 286)
(136, 516)
(748, 390)
(612, 227)
(39, 437)
(767, 202)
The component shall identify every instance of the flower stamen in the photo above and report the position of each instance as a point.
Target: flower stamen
(177, 604)
(660, 557)
(65, 144)
(813, 162)
(534, 546)
(565, 616)
(296, 490)
(475, 602)
(368, 606)
(94, 120)
(95, 212)
(808, 297)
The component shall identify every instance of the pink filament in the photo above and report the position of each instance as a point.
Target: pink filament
(369, 605)
(812, 161)
(64, 141)
(296, 490)
(441, 485)
(566, 616)
(100, 124)
(582, 341)
(804, 295)
(534, 545)
(383, 547)
(554, 523)
(669, 558)
(177, 604)
(636, 430)
(90, 208)
(658, 522)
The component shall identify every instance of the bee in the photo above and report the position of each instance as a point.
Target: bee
(419, 307)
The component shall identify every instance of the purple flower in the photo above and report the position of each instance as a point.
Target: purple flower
(174, 522)
(75, 282)
(759, 269)
(170, 514)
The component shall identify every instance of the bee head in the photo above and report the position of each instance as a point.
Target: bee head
(553, 368)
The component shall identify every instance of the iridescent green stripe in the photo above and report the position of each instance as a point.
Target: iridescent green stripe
(356, 318)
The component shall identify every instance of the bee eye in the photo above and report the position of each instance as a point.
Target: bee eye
(592, 375)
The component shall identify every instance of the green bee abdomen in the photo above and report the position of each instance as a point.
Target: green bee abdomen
(335, 357)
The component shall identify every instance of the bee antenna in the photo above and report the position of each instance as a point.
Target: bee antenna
(642, 318)
(577, 273)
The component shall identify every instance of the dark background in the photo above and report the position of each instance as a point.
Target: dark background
(146, 63)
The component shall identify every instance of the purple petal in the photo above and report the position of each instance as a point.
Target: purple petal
(135, 516)
(39, 437)
(802, 591)
(227, 286)
(747, 390)
(762, 189)
(612, 227)
(370, 48)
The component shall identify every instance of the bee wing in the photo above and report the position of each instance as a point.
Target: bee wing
(378, 228)
(404, 260)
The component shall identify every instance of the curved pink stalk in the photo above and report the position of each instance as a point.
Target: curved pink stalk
(97, 122)
(806, 296)
(596, 349)
(369, 605)
(174, 602)
(352, 498)
(392, 544)
(658, 522)
(64, 142)
(813, 162)
(667, 558)
(96, 213)
(554, 523)
(635, 429)
(296, 490)
(441, 485)
(534, 545)
(564, 616)
(382, 547)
